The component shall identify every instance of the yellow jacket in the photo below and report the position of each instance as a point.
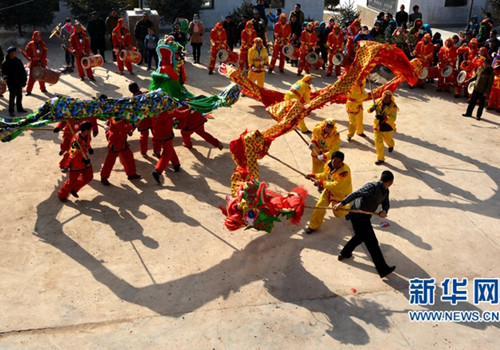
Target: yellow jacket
(390, 113)
(338, 183)
(299, 91)
(258, 59)
(325, 144)
(355, 98)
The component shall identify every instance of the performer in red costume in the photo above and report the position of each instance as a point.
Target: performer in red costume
(247, 36)
(447, 56)
(80, 169)
(308, 40)
(351, 32)
(80, 46)
(424, 51)
(163, 136)
(69, 127)
(121, 41)
(116, 134)
(195, 123)
(282, 32)
(36, 50)
(218, 40)
(470, 68)
(335, 44)
(471, 50)
(144, 125)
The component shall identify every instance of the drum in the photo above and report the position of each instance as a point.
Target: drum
(92, 61)
(338, 58)
(3, 86)
(223, 55)
(319, 63)
(432, 72)
(470, 89)
(424, 74)
(447, 71)
(290, 52)
(228, 56)
(461, 77)
(130, 56)
(312, 58)
(44, 74)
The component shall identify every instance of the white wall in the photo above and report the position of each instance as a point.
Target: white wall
(311, 8)
(433, 11)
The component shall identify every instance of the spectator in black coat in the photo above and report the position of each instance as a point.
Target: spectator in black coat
(295, 25)
(97, 31)
(231, 32)
(140, 32)
(15, 77)
(242, 25)
(401, 16)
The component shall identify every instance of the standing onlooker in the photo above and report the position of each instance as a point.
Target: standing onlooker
(492, 44)
(15, 77)
(259, 26)
(196, 31)
(484, 81)
(178, 34)
(379, 19)
(401, 16)
(66, 32)
(274, 18)
(473, 24)
(150, 43)
(368, 198)
(231, 32)
(295, 25)
(300, 16)
(261, 7)
(415, 15)
(140, 32)
(97, 32)
(111, 23)
(322, 34)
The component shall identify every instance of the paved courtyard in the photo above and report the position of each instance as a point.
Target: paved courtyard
(142, 266)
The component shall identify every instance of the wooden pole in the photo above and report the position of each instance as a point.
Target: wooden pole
(307, 143)
(285, 164)
(349, 210)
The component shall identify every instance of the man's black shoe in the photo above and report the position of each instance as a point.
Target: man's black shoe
(379, 162)
(362, 135)
(391, 149)
(478, 118)
(74, 194)
(177, 168)
(105, 182)
(309, 230)
(466, 115)
(342, 257)
(391, 269)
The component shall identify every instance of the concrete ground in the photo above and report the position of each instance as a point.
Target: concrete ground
(142, 266)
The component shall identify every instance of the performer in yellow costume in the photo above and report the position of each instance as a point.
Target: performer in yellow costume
(325, 141)
(257, 59)
(336, 184)
(301, 91)
(354, 108)
(384, 123)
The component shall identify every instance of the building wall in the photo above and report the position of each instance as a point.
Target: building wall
(434, 12)
(311, 8)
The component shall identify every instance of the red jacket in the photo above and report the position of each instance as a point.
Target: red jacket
(424, 52)
(192, 121)
(219, 41)
(163, 123)
(76, 155)
(36, 51)
(308, 41)
(80, 43)
(282, 32)
(121, 36)
(117, 134)
(335, 43)
(246, 38)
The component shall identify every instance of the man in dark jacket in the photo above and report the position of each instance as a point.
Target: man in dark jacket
(15, 76)
(368, 198)
(97, 31)
(401, 16)
(140, 32)
(231, 32)
(111, 23)
(484, 81)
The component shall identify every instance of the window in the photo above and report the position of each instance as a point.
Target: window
(277, 4)
(207, 4)
(455, 3)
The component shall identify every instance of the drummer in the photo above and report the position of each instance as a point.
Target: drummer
(218, 40)
(424, 51)
(247, 37)
(282, 32)
(447, 56)
(122, 41)
(36, 51)
(467, 70)
(308, 40)
(80, 46)
(335, 44)
(257, 59)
